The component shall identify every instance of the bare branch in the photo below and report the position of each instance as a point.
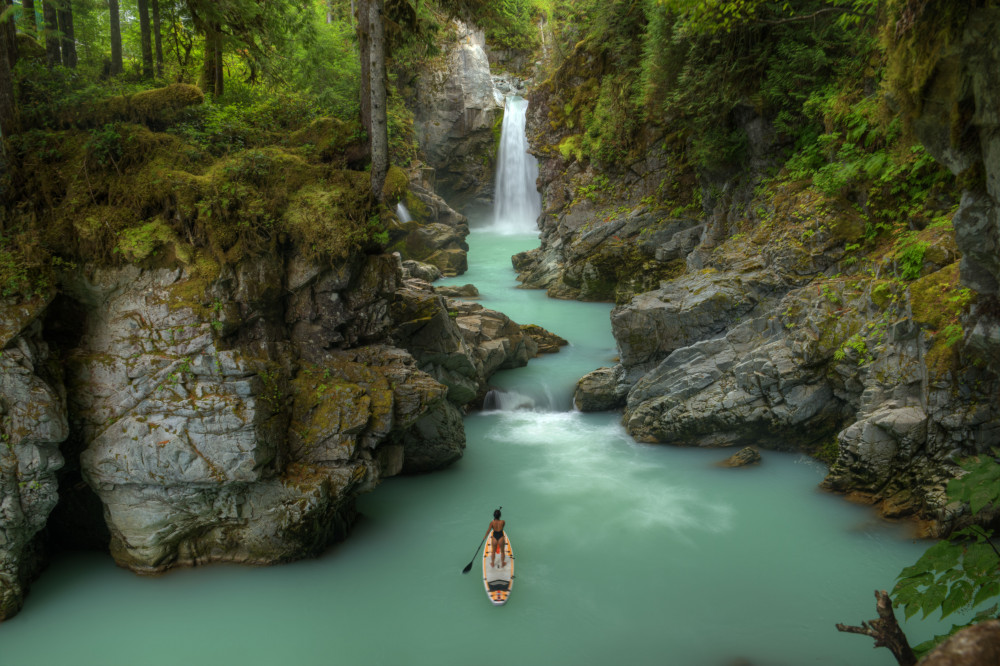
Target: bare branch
(885, 630)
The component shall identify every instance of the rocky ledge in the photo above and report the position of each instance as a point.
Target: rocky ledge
(760, 323)
(230, 414)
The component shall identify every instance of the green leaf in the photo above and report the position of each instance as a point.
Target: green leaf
(980, 561)
(988, 590)
(933, 598)
(959, 596)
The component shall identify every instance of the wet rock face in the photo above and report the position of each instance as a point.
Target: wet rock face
(810, 369)
(966, 77)
(32, 424)
(236, 417)
(742, 458)
(436, 233)
(454, 113)
(460, 344)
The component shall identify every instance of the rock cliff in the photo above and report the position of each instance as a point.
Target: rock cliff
(233, 414)
(455, 110)
(746, 314)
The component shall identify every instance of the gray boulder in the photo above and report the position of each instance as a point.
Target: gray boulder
(33, 421)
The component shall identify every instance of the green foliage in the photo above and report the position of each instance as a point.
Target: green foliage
(980, 486)
(105, 145)
(326, 68)
(963, 571)
(248, 116)
(911, 258)
(510, 25)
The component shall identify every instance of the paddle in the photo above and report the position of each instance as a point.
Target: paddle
(468, 567)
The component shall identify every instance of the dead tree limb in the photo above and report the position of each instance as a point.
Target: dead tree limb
(885, 630)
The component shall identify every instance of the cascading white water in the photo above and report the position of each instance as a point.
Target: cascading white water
(517, 203)
(403, 213)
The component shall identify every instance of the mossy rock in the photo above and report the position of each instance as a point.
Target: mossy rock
(140, 243)
(28, 48)
(157, 108)
(396, 185)
(418, 209)
(332, 140)
(938, 300)
(329, 219)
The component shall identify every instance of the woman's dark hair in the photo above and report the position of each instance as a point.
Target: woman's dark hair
(496, 514)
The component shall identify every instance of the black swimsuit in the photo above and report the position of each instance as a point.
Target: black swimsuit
(497, 535)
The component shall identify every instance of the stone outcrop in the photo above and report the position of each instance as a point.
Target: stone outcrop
(460, 344)
(547, 341)
(965, 76)
(455, 109)
(465, 291)
(842, 362)
(745, 321)
(32, 424)
(436, 233)
(233, 414)
(745, 456)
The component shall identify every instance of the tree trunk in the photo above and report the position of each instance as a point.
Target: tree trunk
(29, 23)
(65, 15)
(8, 117)
(116, 38)
(157, 40)
(885, 630)
(211, 81)
(329, 11)
(11, 35)
(145, 39)
(51, 17)
(379, 119)
(219, 88)
(364, 47)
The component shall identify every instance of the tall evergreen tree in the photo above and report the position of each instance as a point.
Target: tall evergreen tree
(67, 36)
(116, 38)
(378, 123)
(11, 30)
(157, 39)
(8, 117)
(146, 41)
(51, 17)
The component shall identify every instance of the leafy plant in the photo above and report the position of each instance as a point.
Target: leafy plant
(962, 571)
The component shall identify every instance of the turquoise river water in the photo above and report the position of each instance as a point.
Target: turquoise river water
(626, 553)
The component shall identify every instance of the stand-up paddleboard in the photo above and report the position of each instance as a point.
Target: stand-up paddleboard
(497, 580)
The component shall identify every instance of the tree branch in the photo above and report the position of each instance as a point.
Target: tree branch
(809, 17)
(885, 630)
(989, 541)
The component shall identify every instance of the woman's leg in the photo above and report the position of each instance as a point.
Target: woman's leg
(501, 546)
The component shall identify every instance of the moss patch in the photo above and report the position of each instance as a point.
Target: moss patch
(938, 300)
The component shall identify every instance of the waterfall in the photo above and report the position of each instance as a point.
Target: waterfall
(537, 398)
(517, 203)
(402, 213)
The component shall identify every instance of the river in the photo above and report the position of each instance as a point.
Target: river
(626, 553)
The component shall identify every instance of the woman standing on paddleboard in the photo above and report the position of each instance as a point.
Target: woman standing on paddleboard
(496, 527)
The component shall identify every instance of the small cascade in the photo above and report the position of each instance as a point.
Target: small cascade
(509, 401)
(517, 203)
(402, 213)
